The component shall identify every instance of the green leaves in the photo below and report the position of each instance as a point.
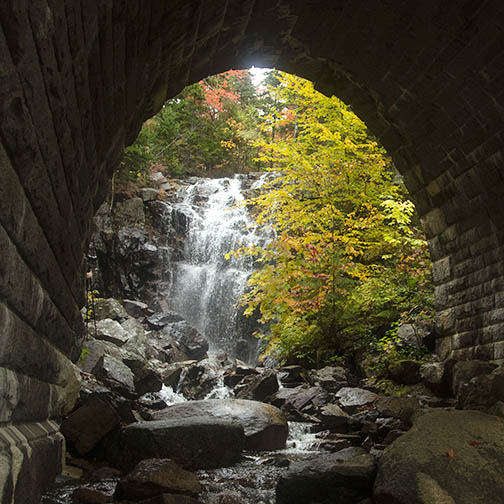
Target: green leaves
(338, 268)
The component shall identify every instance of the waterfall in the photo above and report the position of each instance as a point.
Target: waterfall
(205, 286)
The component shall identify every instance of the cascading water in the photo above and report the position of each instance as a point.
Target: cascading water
(206, 286)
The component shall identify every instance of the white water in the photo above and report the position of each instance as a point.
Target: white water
(206, 287)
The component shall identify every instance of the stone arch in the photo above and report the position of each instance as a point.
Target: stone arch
(79, 77)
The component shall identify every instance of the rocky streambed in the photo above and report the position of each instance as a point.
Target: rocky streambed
(163, 417)
(161, 421)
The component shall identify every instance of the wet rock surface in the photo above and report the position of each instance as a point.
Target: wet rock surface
(265, 426)
(448, 456)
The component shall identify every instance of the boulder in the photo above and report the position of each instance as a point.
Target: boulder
(418, 334)
(301, 398)
(116, 375)
(192, 343)
(146, 376)
(198, 379)
(109, 309)
(453, 457)
(465, 371)
(171, 499)
(482, 392)
(264, 425)
(135, 309)
(149, 194)
(330, 378)
(437, 376)
(90, 423)
(160, 319)
(345, 477)
(405, 371)
(156, 476)
(352, 399)
(260, 387)
(289, 375)
(110, 330)
(92, 352)
(402, 407)
(194, 443)
(88, 496)
(333, 417)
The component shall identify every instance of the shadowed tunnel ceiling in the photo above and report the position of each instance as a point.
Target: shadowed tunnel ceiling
(78, 78)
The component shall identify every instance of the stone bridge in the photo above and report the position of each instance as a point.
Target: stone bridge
(78, 78)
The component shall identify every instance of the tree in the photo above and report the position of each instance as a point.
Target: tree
(346, 260)
(209, 128)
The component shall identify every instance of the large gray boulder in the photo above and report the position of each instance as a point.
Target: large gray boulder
(345, 477)
(264, 425)
(194, 443)
(452, 457)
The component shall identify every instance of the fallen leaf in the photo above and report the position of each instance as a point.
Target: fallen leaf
(450, 453)
(474, 443)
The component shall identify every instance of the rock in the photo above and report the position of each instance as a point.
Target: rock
(87, 425)
(418, 334)
(147, 378)
(109, 309)
(170, 373)
(301, 398)
(260, 387)
(152, 401)
(104, 473)
(156, 476)
(453, 457)
(264, 425)
(88, 496)
(149, 194)
(353, 398)
(193, 344)
(465, 371)
(130, 212)
(291, 374)
(333, 417)
(198, 379)
(406, 372)
(135, 309)
(330, 378)
(194, 443)
(437, 376)
(110, 330)
(92, 352)
(482, 392)
(161, 319)
(116, 375)
(402, 407)
(171, 499)
(344, 477)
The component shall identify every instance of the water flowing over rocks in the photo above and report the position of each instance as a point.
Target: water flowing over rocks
(154, 387)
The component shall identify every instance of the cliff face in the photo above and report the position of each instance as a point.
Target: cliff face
(165, 246)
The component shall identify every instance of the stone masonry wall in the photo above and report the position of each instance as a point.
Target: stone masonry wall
(78, 77)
